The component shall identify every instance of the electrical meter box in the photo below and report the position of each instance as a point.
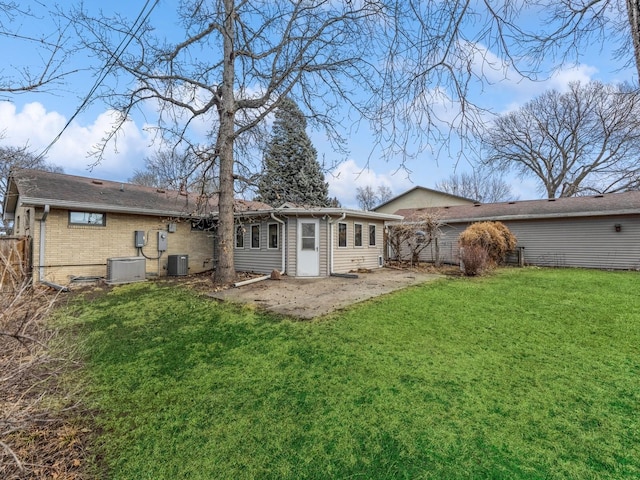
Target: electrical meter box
(162, 241)
(139, 239)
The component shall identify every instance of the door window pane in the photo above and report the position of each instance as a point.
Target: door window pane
(308, 236)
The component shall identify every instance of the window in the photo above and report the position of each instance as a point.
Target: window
(255, 236)
(342, 235)
(357, 234)
(372, 235)
(239, 236)
(273, 235)
(203, 224)
(87, 218)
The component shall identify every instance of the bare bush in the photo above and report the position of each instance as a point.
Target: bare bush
(410, 237)
(36, 438)
(494, 237)
(475, 260)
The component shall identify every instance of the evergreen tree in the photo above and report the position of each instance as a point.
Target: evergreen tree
(291, 172)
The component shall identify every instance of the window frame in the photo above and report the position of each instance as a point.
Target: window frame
(277, 226)
(88, 214)
(255, 225)
(240, 230)
(356, 243)
(372, 229)
(346, 235)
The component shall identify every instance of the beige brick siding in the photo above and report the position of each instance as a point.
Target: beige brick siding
(83, 250)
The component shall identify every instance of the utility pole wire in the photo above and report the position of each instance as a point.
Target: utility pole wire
(106, 69)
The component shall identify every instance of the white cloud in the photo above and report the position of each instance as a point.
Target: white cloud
(348, 176)
(36, 128)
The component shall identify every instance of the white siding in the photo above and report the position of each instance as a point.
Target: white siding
(351, 258)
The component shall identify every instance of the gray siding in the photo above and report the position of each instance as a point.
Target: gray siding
(258, 260)
(447, 243)
(589, 242)
(580, 242)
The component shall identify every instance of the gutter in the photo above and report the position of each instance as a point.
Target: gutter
(284, 242)
(331, 223)
(42, 242)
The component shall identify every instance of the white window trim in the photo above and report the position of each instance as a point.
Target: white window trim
(375, 234)
(86, 224)
(346, 235)
(251, 236)
(277, 247)
(361, 235)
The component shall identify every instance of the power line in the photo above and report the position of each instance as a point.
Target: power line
(106, 69)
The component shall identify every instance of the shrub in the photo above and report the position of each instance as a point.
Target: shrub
(494, 237)
(475, 259)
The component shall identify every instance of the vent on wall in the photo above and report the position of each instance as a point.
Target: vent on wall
(126, 270)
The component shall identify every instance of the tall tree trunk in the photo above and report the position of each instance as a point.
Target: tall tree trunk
(225, 271)
(633, 10)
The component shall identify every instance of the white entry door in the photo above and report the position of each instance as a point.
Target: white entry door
(308, 248)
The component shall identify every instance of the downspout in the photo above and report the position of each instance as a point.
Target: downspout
(331, 222)
(42, 242)
(284, 242)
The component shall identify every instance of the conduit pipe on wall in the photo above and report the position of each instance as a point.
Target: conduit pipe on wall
(331, 223)
(41, 257)
(284, 243)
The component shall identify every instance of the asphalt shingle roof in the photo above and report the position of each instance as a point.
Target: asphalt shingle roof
(597, 205)
(38, 187)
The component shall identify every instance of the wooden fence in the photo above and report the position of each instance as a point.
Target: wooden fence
(15, 262)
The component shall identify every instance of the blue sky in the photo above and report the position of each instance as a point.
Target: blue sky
(35, 119)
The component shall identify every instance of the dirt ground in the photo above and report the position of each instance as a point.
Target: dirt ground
(312, 297)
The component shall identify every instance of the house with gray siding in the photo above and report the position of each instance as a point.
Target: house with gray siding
(599, 231)
(81, 227)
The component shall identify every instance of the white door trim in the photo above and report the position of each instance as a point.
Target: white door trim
(308, 249)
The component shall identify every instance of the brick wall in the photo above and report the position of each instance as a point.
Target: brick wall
(83, 250)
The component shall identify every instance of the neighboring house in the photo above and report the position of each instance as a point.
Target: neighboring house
(421, 197)
(77, 224)
(601, 231)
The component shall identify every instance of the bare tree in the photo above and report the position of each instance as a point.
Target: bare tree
(405, 66)
(478, 185)
(569, 26)
(18, 157)
(188, 170)
(586, 140)
(411, 236)
(368, 198)
(51, 43)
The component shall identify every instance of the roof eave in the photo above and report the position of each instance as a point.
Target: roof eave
(560, 215)
(337, 212)
(40, 202)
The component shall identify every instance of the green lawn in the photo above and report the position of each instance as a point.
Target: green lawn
(529, 373)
